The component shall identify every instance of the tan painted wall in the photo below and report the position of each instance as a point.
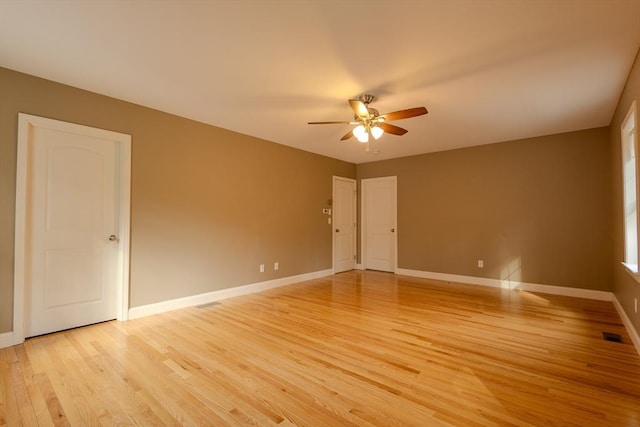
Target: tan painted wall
(536, 210)
(624, 286)
(208, 205)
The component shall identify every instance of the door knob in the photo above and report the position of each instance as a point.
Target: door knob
(393, 230)
(337, 230)
(113, 238)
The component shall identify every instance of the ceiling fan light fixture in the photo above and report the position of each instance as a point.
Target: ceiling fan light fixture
(361, 133)
(370, 123)
(377, 132)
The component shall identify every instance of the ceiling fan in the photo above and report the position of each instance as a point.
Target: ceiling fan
(369, 121)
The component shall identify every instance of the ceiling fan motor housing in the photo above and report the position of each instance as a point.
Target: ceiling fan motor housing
(373, 113)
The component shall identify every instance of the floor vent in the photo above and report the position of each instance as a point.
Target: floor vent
(208, 304)
(610, 336)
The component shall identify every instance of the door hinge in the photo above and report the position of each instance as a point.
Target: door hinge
(355, 258)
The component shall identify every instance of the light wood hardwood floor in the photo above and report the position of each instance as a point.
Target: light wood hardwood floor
(358, 348)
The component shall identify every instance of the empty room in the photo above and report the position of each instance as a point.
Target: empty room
(319, 213)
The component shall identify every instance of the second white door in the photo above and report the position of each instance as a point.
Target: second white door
(379, 232)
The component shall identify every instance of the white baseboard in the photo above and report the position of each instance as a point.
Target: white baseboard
(510, 284)
(208, 297)
(635, 338)
(6, 340)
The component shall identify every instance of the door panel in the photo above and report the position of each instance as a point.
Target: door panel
(71, 212)
(74, 174)
(81, 284)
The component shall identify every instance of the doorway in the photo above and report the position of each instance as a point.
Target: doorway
(72, 226)
(379, 229)
(344, 224)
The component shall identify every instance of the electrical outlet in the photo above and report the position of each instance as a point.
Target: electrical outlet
(276, 265)
(261, 268)
(480, 263)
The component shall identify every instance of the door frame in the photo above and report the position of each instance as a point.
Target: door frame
(26, 123)
(355, 219)
(363, 219)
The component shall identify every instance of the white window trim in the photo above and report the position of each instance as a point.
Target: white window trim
(631, 268)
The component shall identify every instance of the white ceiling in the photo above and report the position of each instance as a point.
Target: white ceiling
(487, 71)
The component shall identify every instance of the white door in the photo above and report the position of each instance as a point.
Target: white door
(379, 223)
(344, 224)
(71, 229)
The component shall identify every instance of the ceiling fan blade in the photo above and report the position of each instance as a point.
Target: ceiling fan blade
(392, 129)
(328, 123)
(359, 108)
(404, 114)
(347, 135)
